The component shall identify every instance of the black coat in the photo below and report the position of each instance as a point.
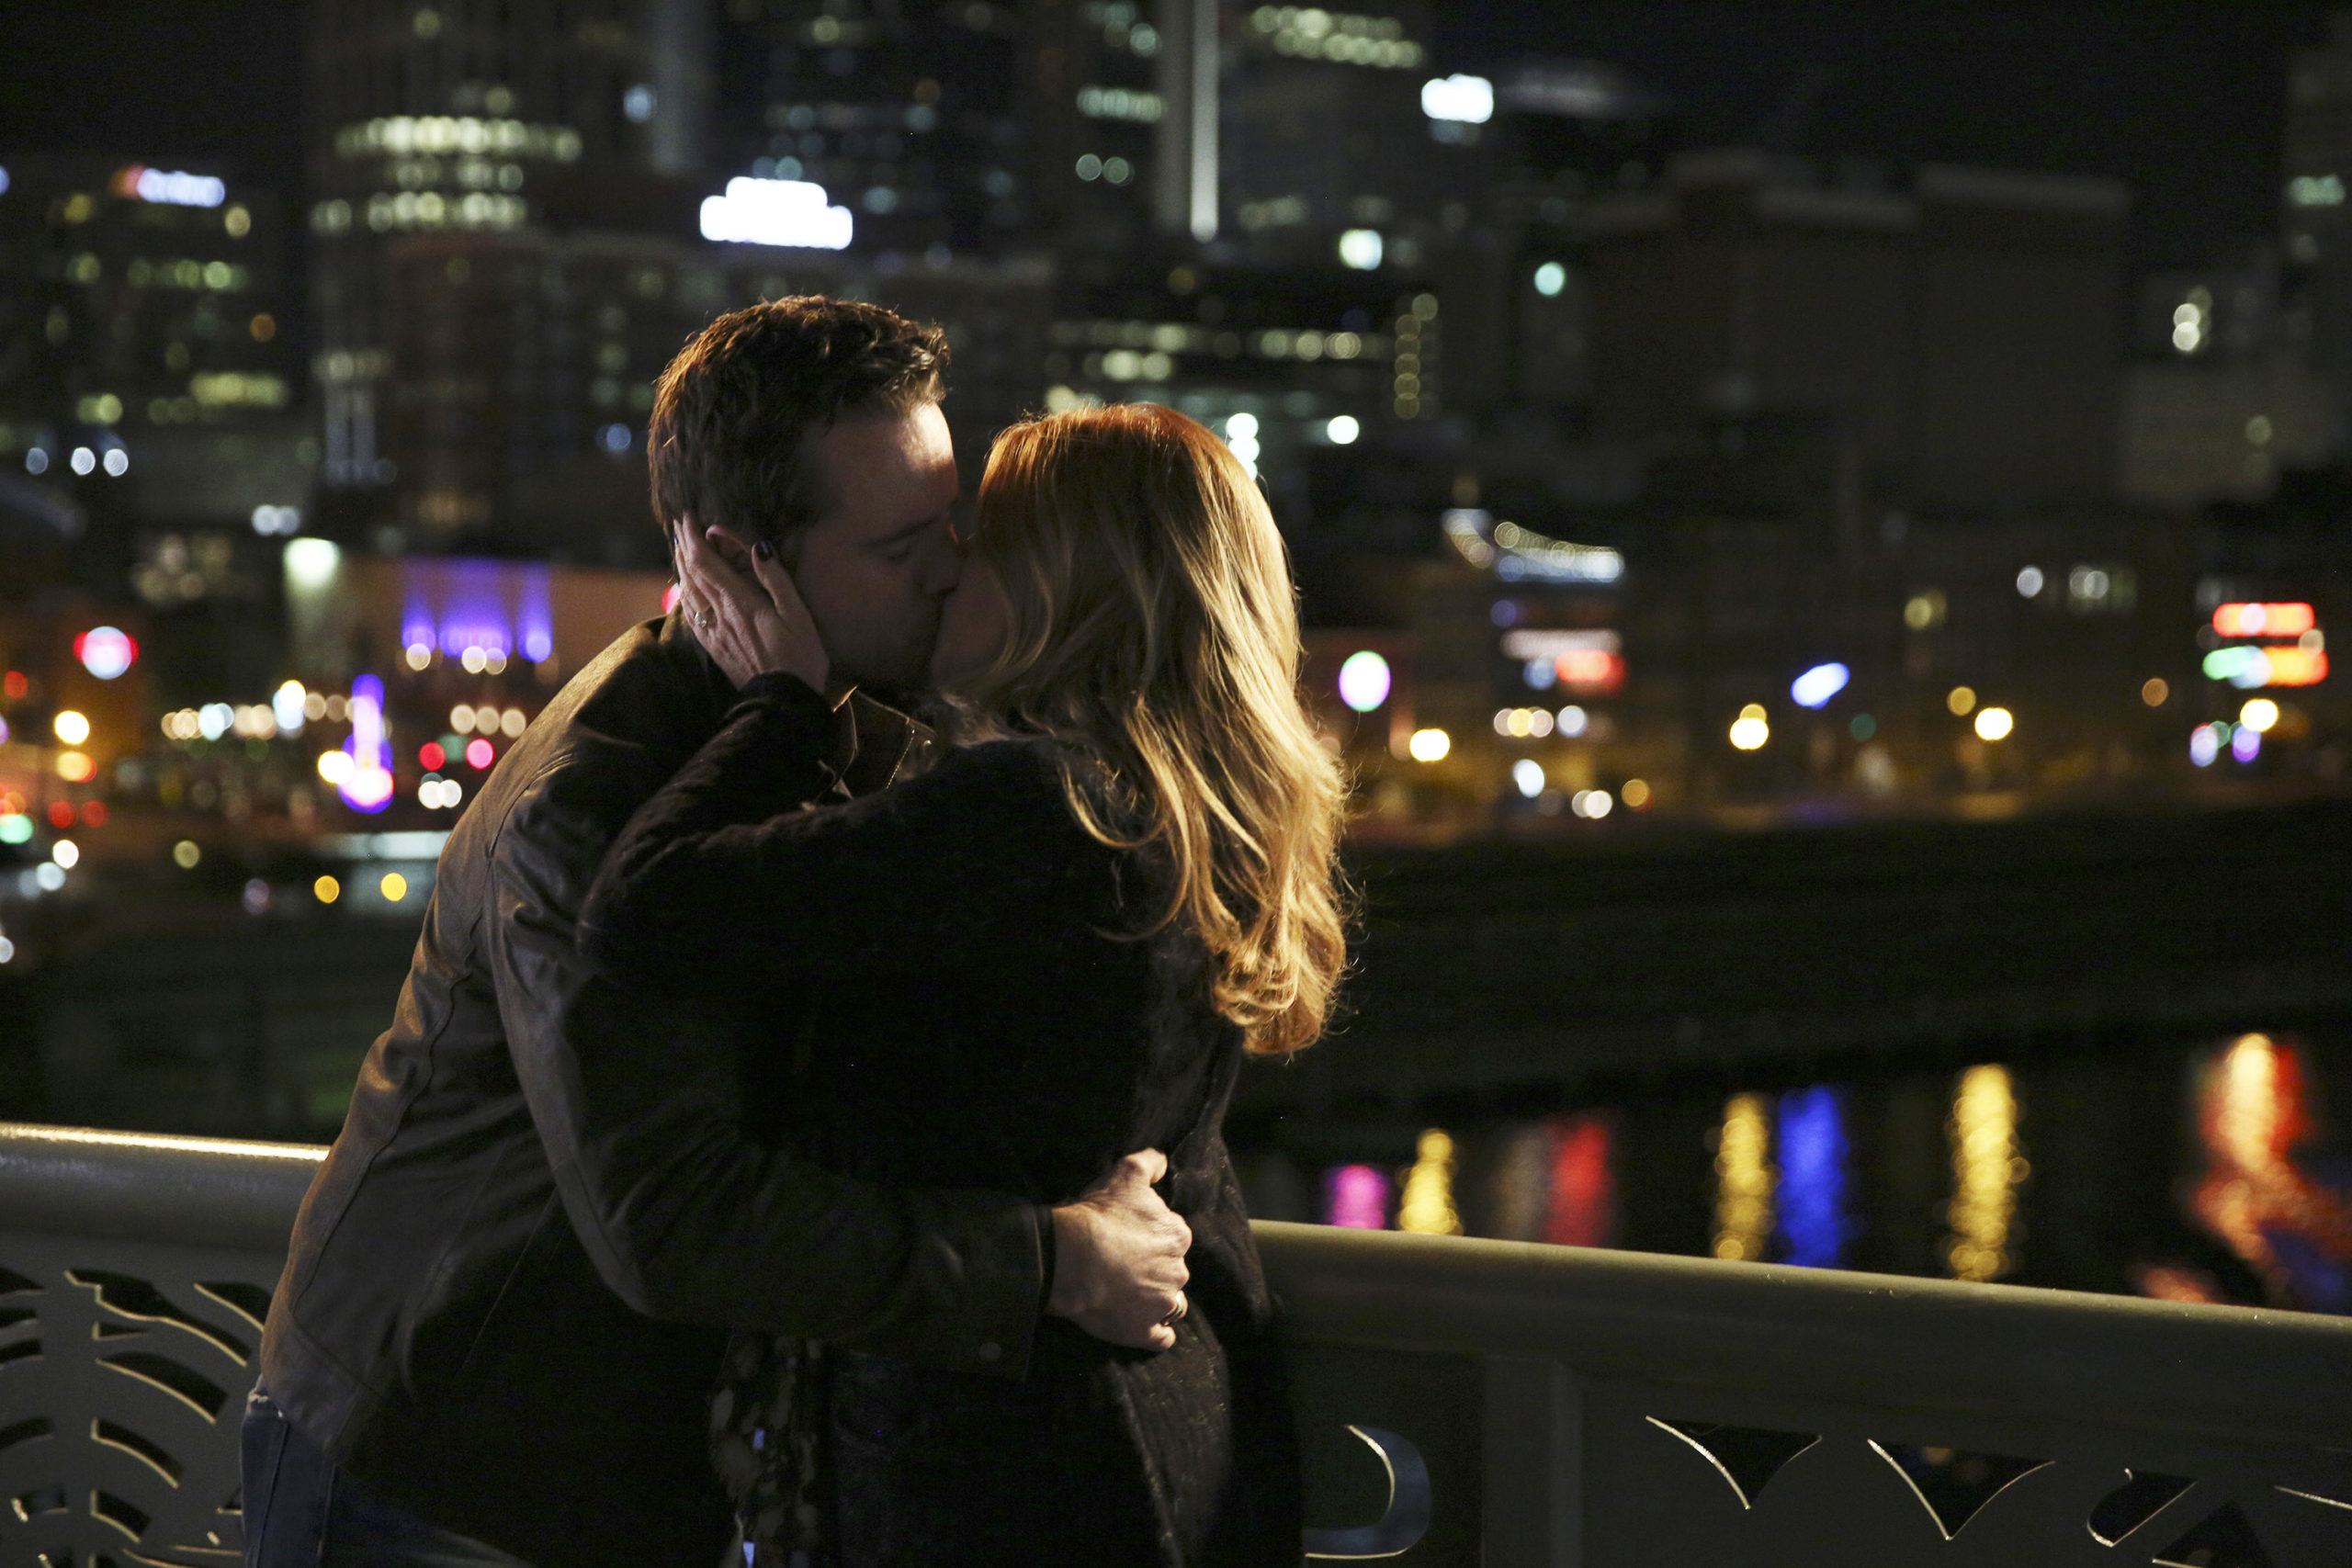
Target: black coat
(977, 1017)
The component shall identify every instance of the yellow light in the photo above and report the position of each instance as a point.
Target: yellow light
(394, 886)
(334, 766)
(2156, 692)
(1986, 1167)
(1427, 1204)
(1429, 745)
(1749, 733)
(1635, 794)
(75, 767)
(1994, 724)
(1963, 700)
(184, 855)
(1744, 1179)
(71, 726)
(327, 889)
(2259, 714)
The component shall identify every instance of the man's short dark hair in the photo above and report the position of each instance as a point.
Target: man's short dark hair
(736, 411)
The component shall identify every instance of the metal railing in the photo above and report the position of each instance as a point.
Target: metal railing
(1463, 1402)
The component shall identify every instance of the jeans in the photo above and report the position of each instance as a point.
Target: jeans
(302, 1510)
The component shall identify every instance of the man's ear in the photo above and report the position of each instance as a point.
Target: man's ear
(731, 547)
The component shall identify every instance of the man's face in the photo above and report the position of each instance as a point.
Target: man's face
(875, 568)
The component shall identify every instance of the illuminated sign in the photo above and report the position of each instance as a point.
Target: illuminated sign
(775, 212)
(2264, 620)
(2246, 667)
(1580, 661)
(1522, 554)
(1467, 100)
(143, 184)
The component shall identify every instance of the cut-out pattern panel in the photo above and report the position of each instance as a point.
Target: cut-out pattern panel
(122, 1382)
(1656, 1494)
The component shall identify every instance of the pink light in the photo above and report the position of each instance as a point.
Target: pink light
(1355, 1197)
(480, 753)
(669, 597)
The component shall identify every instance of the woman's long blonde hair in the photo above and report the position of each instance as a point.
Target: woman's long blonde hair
(1154, 636)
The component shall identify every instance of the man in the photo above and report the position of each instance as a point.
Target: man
(509, 1286)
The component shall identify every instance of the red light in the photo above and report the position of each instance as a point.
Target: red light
(14, 684)
(1590, 670)
(94, 814)
(1584, 1187)
(479, 754)
(2264, 620)
(431, 756)
(60, 813)
(669, 597)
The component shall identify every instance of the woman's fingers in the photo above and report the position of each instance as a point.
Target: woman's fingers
(783, 593)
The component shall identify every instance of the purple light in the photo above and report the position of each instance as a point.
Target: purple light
(416, 621)
(369, 786)
(537, 620)
(2246, 743)
(1356, 1198)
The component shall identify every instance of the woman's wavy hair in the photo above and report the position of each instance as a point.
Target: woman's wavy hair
(1154, 636)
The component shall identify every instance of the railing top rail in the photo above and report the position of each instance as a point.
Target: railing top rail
(1875, 1340)
(152, 1186)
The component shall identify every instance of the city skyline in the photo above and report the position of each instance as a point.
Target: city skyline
(2189, 120)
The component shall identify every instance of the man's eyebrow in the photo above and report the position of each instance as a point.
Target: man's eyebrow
(902, 535)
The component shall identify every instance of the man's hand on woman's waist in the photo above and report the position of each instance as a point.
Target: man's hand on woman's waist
(1119, 1258)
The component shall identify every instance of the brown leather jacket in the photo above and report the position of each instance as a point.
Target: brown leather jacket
(509, 1286)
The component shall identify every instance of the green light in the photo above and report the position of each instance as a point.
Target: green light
(15, 828)
(1863, 726)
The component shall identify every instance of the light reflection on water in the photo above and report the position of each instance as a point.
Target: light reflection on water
(2248, 1203)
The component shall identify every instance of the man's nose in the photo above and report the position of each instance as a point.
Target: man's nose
(943, 565)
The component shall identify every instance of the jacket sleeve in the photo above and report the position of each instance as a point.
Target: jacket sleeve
(714, 878)
(639, 1103)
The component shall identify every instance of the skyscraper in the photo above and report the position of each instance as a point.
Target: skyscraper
(904, 113)
(2314, 215)
(463, 119)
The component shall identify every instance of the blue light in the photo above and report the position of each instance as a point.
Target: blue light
(1818, 685)
(1813, 1177)
(1542, 673)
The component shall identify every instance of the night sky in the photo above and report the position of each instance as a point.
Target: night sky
(2182, 100)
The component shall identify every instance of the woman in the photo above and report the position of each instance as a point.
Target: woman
(1053, 948)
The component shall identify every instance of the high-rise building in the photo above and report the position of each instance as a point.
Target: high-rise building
(2314, 216)
(1958, 337)
(2218, 393)
(135, 303)
(905, 113)
(462, 118)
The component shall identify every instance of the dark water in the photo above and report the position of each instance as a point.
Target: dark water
(2206, 1169)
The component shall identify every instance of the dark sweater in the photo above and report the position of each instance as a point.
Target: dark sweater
(978, 1020)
